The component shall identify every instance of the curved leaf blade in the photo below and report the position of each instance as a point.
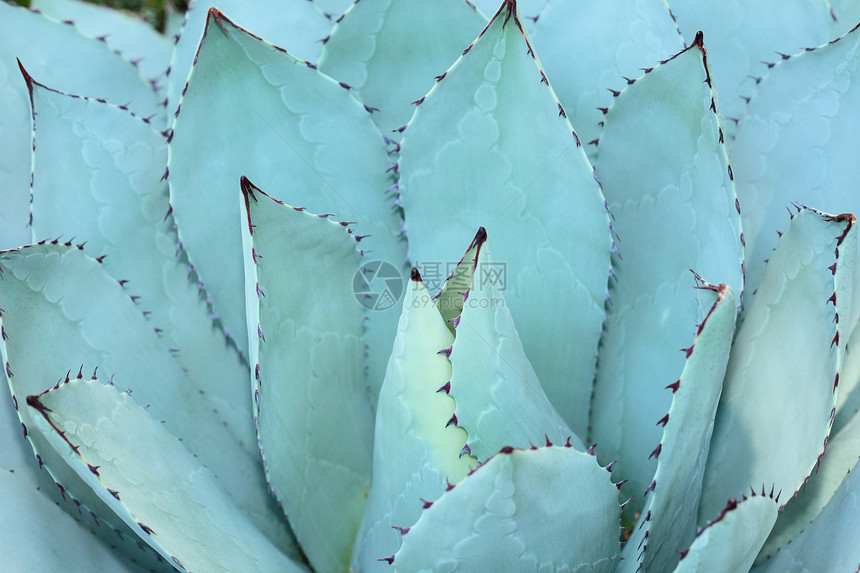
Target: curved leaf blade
(797, 143)
(731, 541)
(675, 209)
(668, 521)
(97, 177)
(150, 480)
(313, 415)
(298, 134)
(51, 292)
(64, 58)
(390, 51)
(829, 542)
(500, 401)
(513, 509)
(589, 48)
(513, 165)
(779, 395)
(419, 448)
(744, 37)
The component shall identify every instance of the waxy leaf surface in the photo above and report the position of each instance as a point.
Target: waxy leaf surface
(510, 162)
(675, 209)
(313, 413)
(418, 448)
(500, 401)
(62, 310)
(253, 110)
(58, 55)
(97, 177)
(150, 480)
(668, 521)
(390, 51)
(513, 510)
(589, 48)
(779, 395)
(731, 542)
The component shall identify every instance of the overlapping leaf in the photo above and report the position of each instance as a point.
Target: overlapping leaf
(589, 48)
(675, 209)
(510, 162)
(745, 37)
(131, 36)
(97, 177)
(731, 541)
(513, 510)
(418, 449)
(798, 143)
(54, 292)
(252, 109)
(150, 480)
(779, 395)
(668, 521)
(390, 51)
(313, 414)
(499, 398)
(68, 60)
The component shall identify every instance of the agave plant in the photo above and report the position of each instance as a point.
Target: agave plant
(264, 334)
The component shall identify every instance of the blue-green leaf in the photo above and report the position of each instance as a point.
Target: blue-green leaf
(779, 395)
(61, 56)
(668, 521)
(313, 413)
(171, 501)
(500, 401)
(97, 177)
(730, 542)
(390, 51)
(744, 37)
(675, 209)
(511, 163)
(418, 448)
(298, 134)
(830, 542)
(590, 49)
(512, 512)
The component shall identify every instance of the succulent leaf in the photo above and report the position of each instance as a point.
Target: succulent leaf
(499, 399)
(313, 414)
(298, 134)
(150, 480)
(390, 51)
(797, 143)
(668, 521)
(296, 25)
(843, 451)
(745, 38)
(54, 292)
(589, 49)
(138, 42)
(779, 395)
(64, 58)
(845, 14)
(731, 541)
(512, 163)
(653, 309)
(829, 543)
(97, 177)
(418, 449)
(530, 9)
(37, 520)
(513, 510)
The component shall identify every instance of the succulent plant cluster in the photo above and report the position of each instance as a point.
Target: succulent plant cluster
(401, 285)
